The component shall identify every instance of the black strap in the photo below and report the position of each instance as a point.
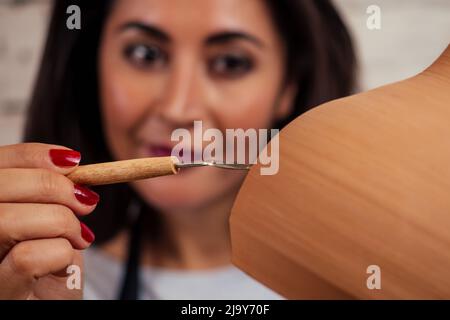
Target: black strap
(130, 283)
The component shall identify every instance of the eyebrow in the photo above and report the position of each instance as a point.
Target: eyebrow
(228, 36)
(218, 38)
(148, 29)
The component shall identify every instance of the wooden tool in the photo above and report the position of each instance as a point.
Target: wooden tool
(123, 171)
(136, 169)
(363, 181)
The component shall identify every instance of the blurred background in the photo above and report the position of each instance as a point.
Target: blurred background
(413, 33)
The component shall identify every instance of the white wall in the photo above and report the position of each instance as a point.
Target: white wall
(22, 29)
(413, 33)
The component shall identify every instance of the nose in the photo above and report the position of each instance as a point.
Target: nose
(184, 94)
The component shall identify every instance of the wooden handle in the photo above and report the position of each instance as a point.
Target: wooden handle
(123, 171)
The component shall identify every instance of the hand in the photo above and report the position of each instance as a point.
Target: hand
(40, 234)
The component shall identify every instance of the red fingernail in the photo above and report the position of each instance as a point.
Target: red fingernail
(86, 196)
(87, 233)
(65, 158)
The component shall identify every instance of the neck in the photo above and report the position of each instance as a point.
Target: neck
(196, 239)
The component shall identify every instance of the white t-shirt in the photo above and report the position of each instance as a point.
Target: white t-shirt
(103, 277)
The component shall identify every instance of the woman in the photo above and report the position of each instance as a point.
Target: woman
(116, 89)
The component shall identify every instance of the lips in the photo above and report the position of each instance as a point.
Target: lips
(165, 151)
(160, 151)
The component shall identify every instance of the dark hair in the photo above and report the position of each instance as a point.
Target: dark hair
(64, 107)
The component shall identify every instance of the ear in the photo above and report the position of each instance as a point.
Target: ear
(286, 101)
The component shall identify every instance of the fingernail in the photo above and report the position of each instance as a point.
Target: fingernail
(86, 196)
(65, 158)
(87, 233)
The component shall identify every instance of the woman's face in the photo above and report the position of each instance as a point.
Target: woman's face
(165, 63)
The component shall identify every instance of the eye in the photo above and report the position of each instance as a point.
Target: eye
(230, 65)
(146, 56)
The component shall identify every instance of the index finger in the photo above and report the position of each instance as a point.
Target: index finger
(38, 155)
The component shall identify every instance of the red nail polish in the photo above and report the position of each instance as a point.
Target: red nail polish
(86, 196)
(65, 158)
(87, 233)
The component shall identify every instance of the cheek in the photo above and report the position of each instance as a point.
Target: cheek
(125, 98)
(118, 115)
(121, 104)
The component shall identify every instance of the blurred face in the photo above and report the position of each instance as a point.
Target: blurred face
(165, 63)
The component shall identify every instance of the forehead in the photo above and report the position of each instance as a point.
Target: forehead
(197, 17)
